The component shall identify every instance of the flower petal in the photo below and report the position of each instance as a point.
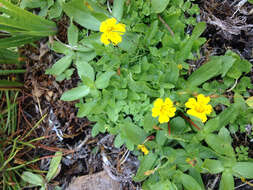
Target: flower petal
(158, 102)
(104, 39)
(168, 102)
(115, 38)
(120, 28)
(155, 112)
(190, 103)
(208, 109)
(163, 118)
(202, 99)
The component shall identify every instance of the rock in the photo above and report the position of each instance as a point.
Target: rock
(97, 181)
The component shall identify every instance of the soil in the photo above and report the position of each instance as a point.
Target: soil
(229, 27)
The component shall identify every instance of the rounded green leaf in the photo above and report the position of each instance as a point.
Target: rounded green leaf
(75, 93)
(103, 80)
(213, 166)
(244, 169)
(54, 166)
(33, 179)
(189, 182)
(227, 181)
(158, 6)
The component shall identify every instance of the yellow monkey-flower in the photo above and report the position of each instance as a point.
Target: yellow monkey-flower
(199, 108)
(143, 149)
(112, 32)
(164, 109)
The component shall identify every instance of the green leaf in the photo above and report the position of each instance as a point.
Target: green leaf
(198, 30)
(72, 34)
(220, 145)
(213, 166)
(206, 72)
(54, 165)
(103, 80)
(163, 185)
(117, 10)
(84, 69)
(158, 6)
(17, 40)
(55, 11)
(85, 108)
(75, 93)
(244, 169)
(118, 141)
(151, 33)
(149, 122)
(61, 48)
(227, 181)
(77, 10)
(60, 66)
(133, 133)
(189, 182)
(178, 125)
(194, 172)
(33, 179)
(10, 84)
(147, 163)
(249, 101)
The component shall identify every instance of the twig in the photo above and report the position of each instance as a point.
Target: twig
(239, 5)
(214, 182)
(108, 6)
(190, 121)
(246, 183)
(169, 129)
(166, 25)
(234, 85)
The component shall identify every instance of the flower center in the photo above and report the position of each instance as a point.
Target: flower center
(199, 108)
(109, 29)
(164, 109)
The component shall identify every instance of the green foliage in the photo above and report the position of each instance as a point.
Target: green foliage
(38, 180)
(118, 85)
(12, 142)
(21, 27)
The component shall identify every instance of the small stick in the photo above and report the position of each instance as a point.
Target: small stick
(169, 129)
(190, 121)
(166, 25)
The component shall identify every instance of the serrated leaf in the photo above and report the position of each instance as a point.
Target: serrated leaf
(103, 80)
(54, 164)
(75, 93)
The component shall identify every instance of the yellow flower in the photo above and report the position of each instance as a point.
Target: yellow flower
(180, 66)
(164, 109)
(199, 108)
(143, 149)
(111, 31)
